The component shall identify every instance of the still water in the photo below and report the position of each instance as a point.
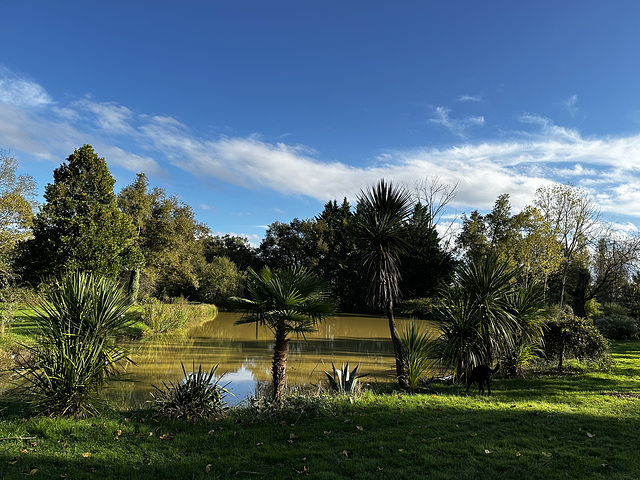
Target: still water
(244, 353)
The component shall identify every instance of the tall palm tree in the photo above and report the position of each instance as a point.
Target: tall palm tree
(382, 212)
(285, 301)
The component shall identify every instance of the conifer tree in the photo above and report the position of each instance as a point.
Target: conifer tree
(80, 226)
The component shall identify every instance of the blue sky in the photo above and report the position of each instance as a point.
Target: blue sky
(255, 112)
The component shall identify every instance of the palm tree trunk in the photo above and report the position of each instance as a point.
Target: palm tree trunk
(279, 366)
(397, 349)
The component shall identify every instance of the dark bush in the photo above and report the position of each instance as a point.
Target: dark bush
(567, 335)
(619, 327)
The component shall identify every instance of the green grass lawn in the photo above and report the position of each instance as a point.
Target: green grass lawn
(544, 427)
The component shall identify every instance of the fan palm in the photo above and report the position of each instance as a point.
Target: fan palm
(285, 302)
(379, 224)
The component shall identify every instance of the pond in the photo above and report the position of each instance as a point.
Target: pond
(244, 353)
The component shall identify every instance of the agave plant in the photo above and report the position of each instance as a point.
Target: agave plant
(342, 380)
(79, 319)
(198, 396)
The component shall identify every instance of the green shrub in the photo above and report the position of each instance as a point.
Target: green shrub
(198, 396)
(418, 354)
(618, 327)
(79, 319)
(566, 334)
(417, 308)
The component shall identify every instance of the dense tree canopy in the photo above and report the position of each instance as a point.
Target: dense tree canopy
(80, 226)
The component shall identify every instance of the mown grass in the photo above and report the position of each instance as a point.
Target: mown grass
(544, 427)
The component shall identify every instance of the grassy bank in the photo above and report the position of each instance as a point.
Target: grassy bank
(546, 427)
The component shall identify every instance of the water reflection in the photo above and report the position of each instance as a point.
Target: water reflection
(245, 354)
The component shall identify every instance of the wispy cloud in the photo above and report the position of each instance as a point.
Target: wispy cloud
(470, 98)
(571, 105)
(540, 152)
(457, 126)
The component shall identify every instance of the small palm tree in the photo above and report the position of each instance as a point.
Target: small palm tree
(380, 220)
(286, 302)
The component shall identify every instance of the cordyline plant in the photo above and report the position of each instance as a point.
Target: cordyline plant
(79, 319)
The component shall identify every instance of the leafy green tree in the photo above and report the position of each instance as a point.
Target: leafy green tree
(575, 221)
(299, 243)
(80, 226)
(168, 237)
(235, 248)
(379, 227)
(218, 281)
(285, 301)
(425, 264)
(17, 201)
(339, 265)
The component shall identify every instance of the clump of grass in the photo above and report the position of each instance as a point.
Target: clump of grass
(198, 396)
(165, 317)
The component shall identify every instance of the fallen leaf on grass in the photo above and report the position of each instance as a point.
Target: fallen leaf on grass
(488, 452)
(31, 471)
(14, 460)
(359, 427)
(327, 432)
(166, 436)
(346, 453)
(379, 469)
(259, 444)
(293, 436)
(591, 435)
(401, 449)
(86, 455)
(518, 454)
(24, 450)
(474, 434)
(547, 454)
(304, 471)
(207, 469)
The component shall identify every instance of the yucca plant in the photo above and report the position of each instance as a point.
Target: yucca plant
(79, 319)
(198, 396)
(418, 353)
(342, 380)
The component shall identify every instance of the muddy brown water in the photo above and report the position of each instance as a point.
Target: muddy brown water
(245, 353)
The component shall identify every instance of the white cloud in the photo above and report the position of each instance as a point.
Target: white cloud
(540, 153)
(570, 105)
(470, 98)
(457, 126)
(20, 91)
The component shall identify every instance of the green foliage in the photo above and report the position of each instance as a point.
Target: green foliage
(219, 280)
(417, 308)
(79, 319)
(484, 315)
(80, 226)
(568, 335)
(343, 380)
(168, 237)
(235, 248)
(17, 202)
(418, 353)
(379, 227)
(163, 317)
(618, 327)
(199, 396)
(284, 301)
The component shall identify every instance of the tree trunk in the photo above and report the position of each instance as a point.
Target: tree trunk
(397, 349)
(279, 366)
